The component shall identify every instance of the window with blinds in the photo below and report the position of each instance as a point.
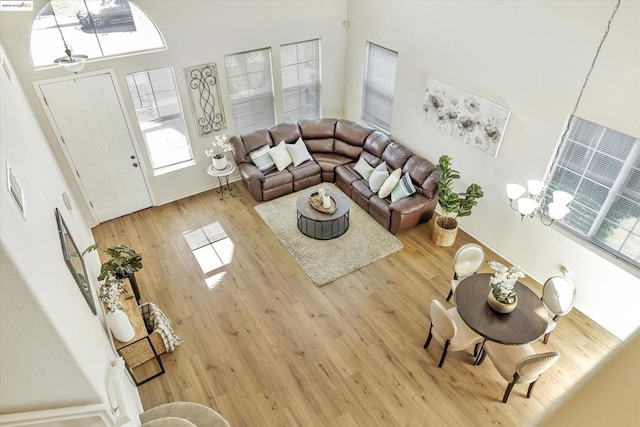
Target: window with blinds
(601, 168)
(251, 90)
(301, 80)
(157, 104)
(379, 83)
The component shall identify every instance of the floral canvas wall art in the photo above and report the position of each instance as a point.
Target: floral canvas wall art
(205, 99)
(477, 121)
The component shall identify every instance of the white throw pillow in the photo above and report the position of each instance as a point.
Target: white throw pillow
(298, 152)
(378, 176)
(363, 168)
(280, 156)
(390, 183)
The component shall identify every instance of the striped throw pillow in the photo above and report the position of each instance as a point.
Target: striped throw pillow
(262, 159)
(403, 189)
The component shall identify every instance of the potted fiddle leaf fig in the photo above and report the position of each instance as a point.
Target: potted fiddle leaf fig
(452, 203)
(122, 264)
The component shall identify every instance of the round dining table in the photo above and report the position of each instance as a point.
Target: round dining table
(525, 324)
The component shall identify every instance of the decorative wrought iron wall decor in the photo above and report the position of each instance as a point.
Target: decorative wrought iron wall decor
(475, 120)
(205, 98)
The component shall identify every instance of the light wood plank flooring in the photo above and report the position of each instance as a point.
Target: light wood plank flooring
(266, 347)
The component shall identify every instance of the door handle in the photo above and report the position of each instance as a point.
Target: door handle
(135, 165)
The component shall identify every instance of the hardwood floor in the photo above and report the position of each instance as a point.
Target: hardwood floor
(266, 347)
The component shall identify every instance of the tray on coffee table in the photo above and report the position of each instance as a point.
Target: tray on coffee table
(316, 203)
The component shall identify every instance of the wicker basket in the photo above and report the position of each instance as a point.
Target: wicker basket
(443, 236)
(139, 352)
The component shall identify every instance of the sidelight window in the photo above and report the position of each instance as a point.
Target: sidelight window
(159, 112)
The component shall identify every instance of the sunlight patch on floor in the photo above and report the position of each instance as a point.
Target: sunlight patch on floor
(213, 250)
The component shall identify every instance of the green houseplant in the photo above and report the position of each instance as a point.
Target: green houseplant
(122, 264)
(453, 204)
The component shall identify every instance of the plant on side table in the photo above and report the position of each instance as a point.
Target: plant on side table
(122, 264)
(217, 152)
(503, 297)
(452, 204)
(116, 319)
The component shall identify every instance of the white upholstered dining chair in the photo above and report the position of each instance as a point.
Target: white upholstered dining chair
(559, 297)
(518, 364)
(466, 262)
(450, 330)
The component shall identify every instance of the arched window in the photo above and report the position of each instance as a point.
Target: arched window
(96, 28)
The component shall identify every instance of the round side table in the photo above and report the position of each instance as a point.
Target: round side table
(223, 173)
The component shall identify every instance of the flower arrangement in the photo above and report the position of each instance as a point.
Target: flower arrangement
(220, 146)
(109, 293)
(503, 281)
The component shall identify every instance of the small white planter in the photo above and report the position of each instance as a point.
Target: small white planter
(219, 164)
(120, 326)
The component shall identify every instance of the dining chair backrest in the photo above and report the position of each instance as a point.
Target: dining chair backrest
(531, 367)
(559, 295)
(468, 259)
(441, 321)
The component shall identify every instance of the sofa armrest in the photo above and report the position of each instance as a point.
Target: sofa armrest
(409, 212)
(413, 203)
(250, 172)
(252, 176)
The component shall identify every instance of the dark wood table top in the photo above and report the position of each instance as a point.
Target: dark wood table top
(523, 325)
(305, 209)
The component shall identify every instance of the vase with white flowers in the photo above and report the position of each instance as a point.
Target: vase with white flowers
(221, 146)
(116, 319)
(503, 297)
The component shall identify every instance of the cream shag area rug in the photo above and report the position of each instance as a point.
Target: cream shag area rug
(326, 260)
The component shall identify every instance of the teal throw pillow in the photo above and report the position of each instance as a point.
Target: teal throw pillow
(262, 159)
(403, 189)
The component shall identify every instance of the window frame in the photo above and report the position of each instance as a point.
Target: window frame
(367, 115)
(317, 85)
(615, 190)
(161, 170)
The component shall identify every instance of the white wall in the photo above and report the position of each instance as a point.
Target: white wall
(531, 56)
(607, 396)
(54, 351)
(199, 32)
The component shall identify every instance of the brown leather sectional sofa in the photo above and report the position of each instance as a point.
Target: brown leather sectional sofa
(336, 145)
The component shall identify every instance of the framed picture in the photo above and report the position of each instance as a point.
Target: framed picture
(475, 120)
(202, 81)
(73, 258)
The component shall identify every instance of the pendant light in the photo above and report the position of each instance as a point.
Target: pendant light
(534, 202)
(71, 63)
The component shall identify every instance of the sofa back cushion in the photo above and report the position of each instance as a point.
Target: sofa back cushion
(422, 173)
(396, 155)
(346, 149)
(374, 146)
(351, 132)
(243, 145)
(287, 132)
(317, 129)
(324, 145)
(318, 134)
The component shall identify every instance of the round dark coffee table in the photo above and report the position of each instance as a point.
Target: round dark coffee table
(319, 225)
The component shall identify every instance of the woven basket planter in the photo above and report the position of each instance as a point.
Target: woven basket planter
(444, 236)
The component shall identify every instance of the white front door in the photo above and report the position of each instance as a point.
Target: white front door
(90, 119)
